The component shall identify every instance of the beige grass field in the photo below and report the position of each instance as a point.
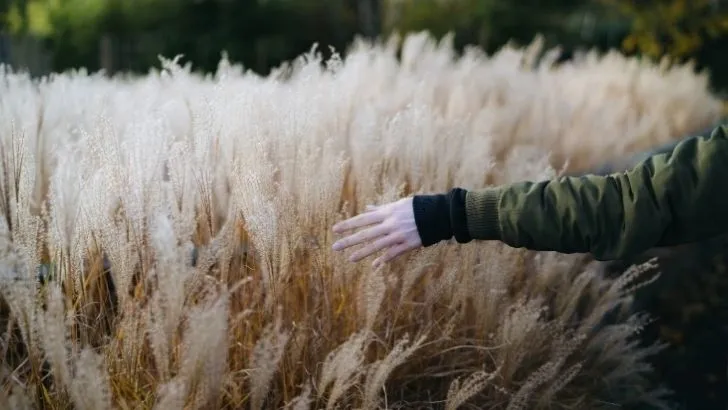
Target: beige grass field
(254, 172)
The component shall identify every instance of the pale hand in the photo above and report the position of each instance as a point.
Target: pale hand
(390, 227)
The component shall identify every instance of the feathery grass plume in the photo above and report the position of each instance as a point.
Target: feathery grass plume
(373, 290)
(380, 370)
(54, 329)
(172, 395)
(462, 391)
(16, 398)
(166, 308)
(342, 369)
(186, 223)
(90, 385)
(204, 351)
(265, 356)
(302, 401)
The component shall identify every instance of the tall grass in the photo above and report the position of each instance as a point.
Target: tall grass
(134, 174)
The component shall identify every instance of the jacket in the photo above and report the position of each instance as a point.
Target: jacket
(668, 199)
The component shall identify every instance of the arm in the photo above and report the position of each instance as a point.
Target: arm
(668, 199)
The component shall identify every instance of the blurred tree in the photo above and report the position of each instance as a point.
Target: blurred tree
(130, 34)
(490, 23)
(681, 29)
(370, 14)
(674, 28)
(258, 33)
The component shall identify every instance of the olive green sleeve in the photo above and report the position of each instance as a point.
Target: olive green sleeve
(668, 199)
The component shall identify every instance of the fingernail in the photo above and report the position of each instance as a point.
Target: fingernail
(336, 246)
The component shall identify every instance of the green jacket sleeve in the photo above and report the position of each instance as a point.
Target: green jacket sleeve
(668, 199)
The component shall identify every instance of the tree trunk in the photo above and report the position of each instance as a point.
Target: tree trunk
(369, 12)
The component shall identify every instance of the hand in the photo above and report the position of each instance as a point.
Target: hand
(390, 227)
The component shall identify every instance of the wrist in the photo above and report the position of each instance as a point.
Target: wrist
(439, 217)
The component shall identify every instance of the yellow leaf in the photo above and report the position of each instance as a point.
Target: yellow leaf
(39, 21)
(14, 19)
(669, 13)
(650, 46)
(629, 44)
(684, 43)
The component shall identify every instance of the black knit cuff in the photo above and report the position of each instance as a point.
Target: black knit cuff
(440, 217)
(432, 216)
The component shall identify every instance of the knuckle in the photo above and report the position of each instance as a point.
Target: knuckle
(389, 224)
(399, 236)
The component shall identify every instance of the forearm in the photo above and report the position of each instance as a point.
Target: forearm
(609, 217)
(671, 198)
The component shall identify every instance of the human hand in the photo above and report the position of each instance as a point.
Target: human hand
(390, 227)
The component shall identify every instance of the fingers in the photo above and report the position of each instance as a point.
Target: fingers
(376, 246)
(367, 218)
(381, 236)
(391, 254)
(361, 236)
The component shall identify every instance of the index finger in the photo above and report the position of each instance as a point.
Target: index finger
(368, 218)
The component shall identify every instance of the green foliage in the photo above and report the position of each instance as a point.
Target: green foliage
(676, 28)
(264, 33)
(488, 23)
(258, 33)
(681, 29)
(31, 16)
